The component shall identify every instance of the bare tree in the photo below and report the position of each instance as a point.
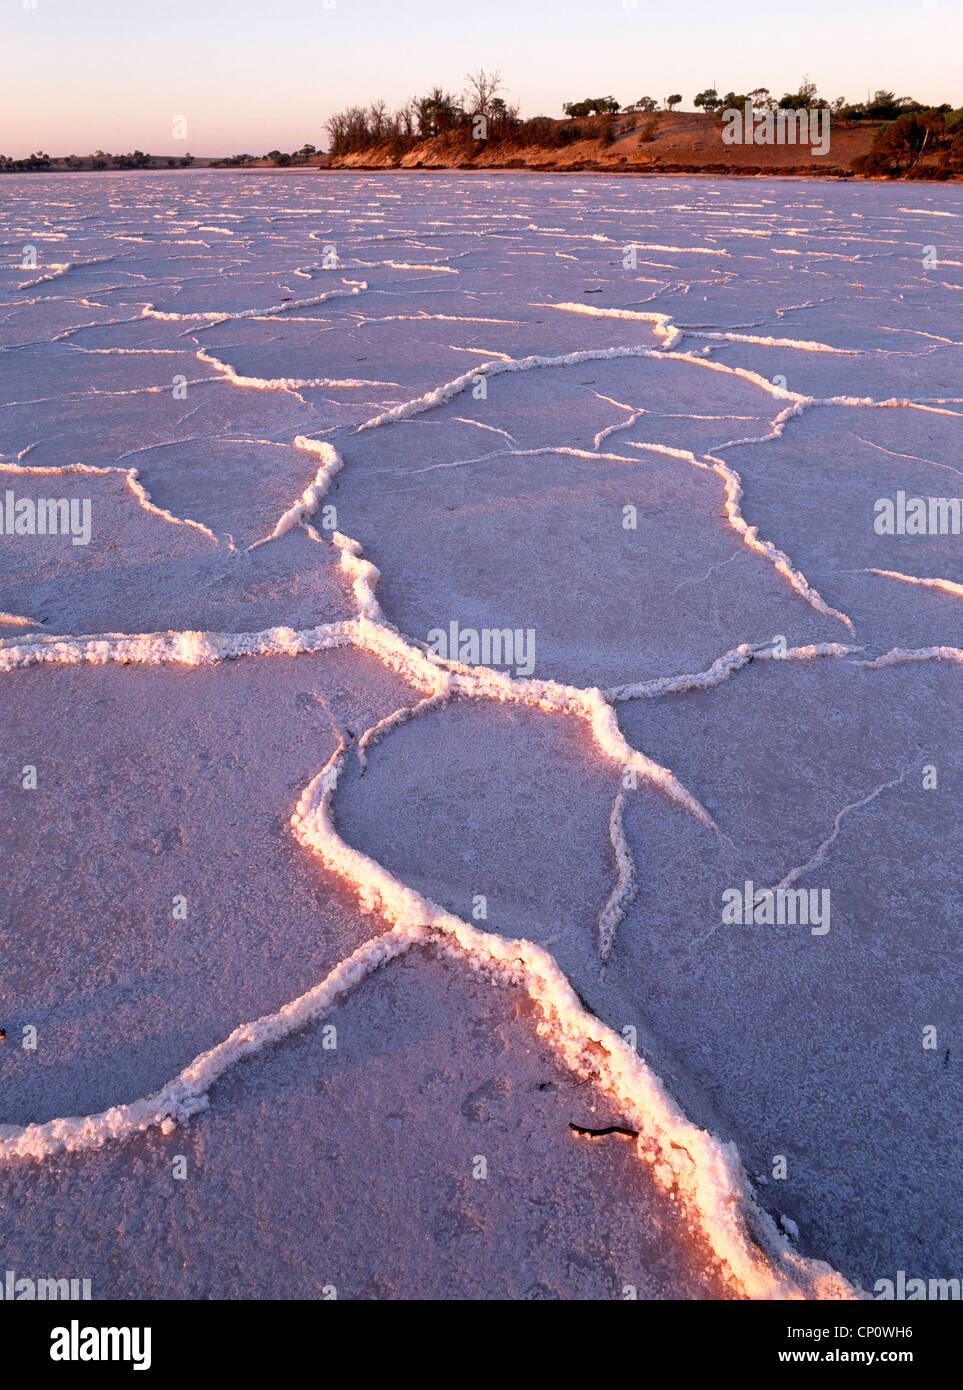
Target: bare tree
(483, 89)
(377, 120)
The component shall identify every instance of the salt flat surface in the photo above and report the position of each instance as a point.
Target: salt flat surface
(334, 432)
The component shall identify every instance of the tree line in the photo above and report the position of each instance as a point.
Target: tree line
(482, 113)
(899, 148)
(136, 159)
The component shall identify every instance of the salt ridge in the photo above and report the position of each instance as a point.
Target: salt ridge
(625, 888)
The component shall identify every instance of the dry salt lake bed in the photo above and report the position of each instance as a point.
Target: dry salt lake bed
(496, 677)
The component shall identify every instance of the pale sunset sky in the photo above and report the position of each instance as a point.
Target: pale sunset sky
(252, 75)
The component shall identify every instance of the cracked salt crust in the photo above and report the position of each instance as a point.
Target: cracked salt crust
(709, 1178)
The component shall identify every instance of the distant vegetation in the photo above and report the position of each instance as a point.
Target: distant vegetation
(882, 106)
(593, 106)
(914, 133)
(463, 124)
(31, 161)
(137, 159)
(301, 156)
(899, 147)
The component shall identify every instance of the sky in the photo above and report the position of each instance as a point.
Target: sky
(247, 76)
